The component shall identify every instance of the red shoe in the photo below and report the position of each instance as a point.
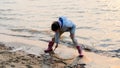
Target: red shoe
(81, 56)
(48, 50)
(79, 51)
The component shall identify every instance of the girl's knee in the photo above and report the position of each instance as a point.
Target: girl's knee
(72, 36)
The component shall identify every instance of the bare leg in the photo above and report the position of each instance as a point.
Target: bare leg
(76, 44)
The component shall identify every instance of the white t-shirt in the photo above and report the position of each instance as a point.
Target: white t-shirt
(65, 26)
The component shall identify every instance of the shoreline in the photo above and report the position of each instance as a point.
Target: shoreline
(31, 49)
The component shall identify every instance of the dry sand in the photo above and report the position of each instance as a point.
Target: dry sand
(24, 53)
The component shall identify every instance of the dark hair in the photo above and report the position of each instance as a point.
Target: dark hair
(55, 26)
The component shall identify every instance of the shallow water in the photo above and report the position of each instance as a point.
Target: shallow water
(98, 21)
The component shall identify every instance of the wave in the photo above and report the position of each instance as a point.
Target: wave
(87, 27)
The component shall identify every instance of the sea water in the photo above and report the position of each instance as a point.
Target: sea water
(97, 21)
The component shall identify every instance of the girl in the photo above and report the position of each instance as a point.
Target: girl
(59, 27)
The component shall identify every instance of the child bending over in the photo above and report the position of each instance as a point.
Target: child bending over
(59, 27)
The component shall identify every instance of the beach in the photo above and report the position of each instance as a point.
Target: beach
(27, 54)
(25, 32)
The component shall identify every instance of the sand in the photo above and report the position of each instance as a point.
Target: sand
(26, 53)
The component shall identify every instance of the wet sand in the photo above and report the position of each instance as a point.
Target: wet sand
(27, 54)
(18, 59)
